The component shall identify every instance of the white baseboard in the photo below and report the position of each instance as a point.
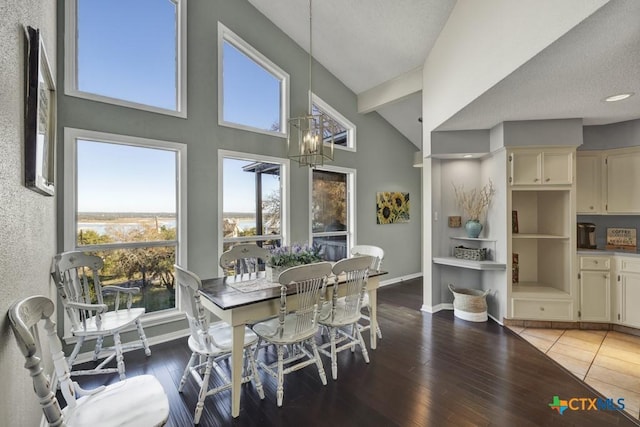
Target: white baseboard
(400, 279)
(436, 308)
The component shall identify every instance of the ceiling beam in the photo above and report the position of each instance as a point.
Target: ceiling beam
(390, 91)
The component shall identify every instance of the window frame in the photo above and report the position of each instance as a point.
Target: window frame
(284, 192)
(71, 136)
(71, 64)
(342, 121)
(351, 205)
(226, 35)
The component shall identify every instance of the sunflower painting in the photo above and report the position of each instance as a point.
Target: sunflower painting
(392, 207)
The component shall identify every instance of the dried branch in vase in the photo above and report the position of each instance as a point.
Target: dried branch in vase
(474, 202)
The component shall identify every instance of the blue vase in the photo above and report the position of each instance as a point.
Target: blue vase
(473, 228)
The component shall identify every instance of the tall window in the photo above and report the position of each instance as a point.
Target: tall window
(332, 212)
(345, 132)
(253, 91)
(253, 200)
(131, 53)
(122, 202)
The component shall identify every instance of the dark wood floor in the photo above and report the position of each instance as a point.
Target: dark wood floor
(428, 370)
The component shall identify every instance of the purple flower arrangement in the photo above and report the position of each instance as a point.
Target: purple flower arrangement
(296, 254)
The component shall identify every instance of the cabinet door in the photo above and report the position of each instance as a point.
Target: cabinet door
(557, 168)
(595, 288)
(526, 168)
(623, 181)
(629, 299)
(588, 184)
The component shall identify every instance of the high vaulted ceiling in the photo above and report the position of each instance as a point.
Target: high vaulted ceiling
(367, 43)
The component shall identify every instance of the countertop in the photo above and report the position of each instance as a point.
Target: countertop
(610, 252)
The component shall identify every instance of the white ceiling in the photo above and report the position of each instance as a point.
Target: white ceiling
(367, 42)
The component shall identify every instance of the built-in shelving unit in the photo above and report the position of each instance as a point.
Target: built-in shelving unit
(488, 264)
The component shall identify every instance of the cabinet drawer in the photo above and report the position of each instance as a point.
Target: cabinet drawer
(631, 265)
(542, 309)
(594, 263)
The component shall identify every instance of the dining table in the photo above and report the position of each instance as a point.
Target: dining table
(246, 299)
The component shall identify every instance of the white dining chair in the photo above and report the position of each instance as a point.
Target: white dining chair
(296, 324)
(341, 313)
(134, 402)
(244, 258)
(210, 344)
(77, 278)
(377, 254)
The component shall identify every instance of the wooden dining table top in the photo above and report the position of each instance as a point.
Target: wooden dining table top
(219, 291)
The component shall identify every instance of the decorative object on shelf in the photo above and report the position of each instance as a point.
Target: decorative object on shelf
(289, 256)
(40, 117)
(469, 304)
(311, 136)
(623, 239)
(514, 221)
(473, 228)
(474, 204)
(472, 254)
(392, 207)
(455, 221)
(515, 268)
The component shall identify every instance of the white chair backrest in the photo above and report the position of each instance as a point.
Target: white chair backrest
(77, 279)
(189, 284)
(310, 282)
(354, 272)
(376, 252)
(244, 258)
(24, 316)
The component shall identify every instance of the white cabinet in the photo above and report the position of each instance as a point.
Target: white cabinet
(629, 291)
(541, 167)
(595, 289)
(623, 181)
(589, 183)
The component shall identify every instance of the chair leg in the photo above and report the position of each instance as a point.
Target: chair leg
(280, 389)
(143, 338)
(254, 370)
(183, 381)
(316, 355)
(119, 357)
(98, 349)
(203, 391)
(365, 353)
(333, 336)
(74, 354)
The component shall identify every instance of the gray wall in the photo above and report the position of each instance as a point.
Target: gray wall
(27, 219)
(383, 160)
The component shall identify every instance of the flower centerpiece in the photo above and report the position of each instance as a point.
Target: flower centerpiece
(289, 256)
(474, 204)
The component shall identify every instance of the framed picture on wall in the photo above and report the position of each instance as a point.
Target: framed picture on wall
(40, 117)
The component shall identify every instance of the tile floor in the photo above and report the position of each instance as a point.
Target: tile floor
(608, 361)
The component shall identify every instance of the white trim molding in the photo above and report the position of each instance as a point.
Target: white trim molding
(342, 121)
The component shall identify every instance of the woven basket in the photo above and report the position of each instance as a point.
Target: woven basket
(469, 304)
(472, 254)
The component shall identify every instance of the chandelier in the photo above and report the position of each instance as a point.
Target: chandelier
(311, 136)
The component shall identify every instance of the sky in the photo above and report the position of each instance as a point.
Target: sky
(126, 50)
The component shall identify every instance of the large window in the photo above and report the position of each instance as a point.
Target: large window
(332, 211)
(254, 200)
(253, 91)
(124, 202)
(344, 135)
(130, 53)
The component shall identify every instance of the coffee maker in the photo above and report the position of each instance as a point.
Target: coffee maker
(586, 235)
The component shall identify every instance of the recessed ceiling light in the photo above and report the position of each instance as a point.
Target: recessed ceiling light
(468, 156)
(618, 97)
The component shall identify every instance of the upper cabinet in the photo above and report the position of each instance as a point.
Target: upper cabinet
(589, 183)
(623, 181)
(541, 167)
(607, 181)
